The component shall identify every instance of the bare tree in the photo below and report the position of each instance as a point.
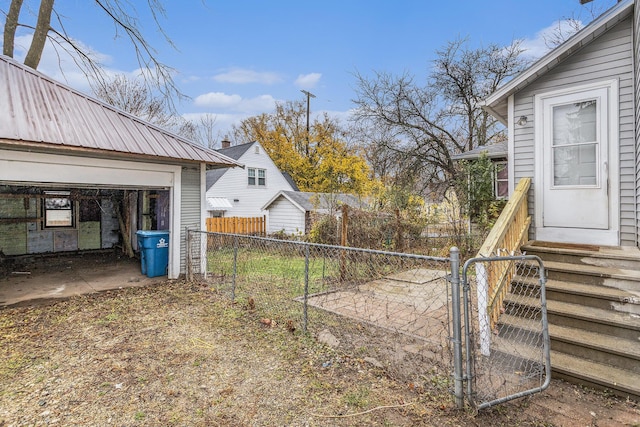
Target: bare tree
(132, 96)
(568, 26)
(157, 75)
(203, 130)
(430, 123)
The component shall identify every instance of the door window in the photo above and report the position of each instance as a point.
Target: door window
(575, 144)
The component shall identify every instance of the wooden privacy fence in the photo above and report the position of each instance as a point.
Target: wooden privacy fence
(238, 225)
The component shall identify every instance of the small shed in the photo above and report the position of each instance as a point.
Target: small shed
(291, 211)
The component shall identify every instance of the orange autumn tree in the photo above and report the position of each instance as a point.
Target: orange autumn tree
(321, 161)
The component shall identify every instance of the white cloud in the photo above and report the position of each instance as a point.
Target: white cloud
(220, 100)
(190, 79)
(217, 100)
(537, 46)
(308, 81)
(243, 76)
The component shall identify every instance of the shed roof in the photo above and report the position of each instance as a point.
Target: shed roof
(494, 151)
(496, 103)
(309, 201)
(37, 110)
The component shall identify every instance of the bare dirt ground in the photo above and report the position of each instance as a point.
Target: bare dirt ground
(181, 354)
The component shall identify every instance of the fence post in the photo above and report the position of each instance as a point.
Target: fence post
(235, 268)
(344, 242)
(305, 317)
(189, 255)
(457, 327)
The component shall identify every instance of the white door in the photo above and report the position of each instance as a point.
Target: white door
(575, 170)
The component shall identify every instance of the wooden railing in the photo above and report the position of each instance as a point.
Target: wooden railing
(507, 235)
(238, 225)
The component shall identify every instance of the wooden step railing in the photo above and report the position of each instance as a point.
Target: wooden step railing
(238, 225)
(510, 232)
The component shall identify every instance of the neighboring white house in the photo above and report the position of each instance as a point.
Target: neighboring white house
(290, 211)
(243, 192)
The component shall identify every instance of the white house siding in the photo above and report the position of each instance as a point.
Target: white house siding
(191, 207)
(284, 216)
(248, 200)
(636, 61)
(608, 57)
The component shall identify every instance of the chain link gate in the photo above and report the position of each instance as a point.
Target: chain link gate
(506, 338)
(487, 318)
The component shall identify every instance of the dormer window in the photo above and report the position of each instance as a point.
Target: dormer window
(257, 177)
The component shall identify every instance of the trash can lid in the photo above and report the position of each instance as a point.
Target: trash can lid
(151, 233)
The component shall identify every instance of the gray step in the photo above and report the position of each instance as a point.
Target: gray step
(597, 296)
(528, 360)
(617, 278)
(614, 351)
(607, 322)
(622, 382)
(603, 256)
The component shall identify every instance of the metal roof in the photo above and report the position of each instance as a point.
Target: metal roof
(218, 204)
(493, 151)
(317, 202)
(35, 109)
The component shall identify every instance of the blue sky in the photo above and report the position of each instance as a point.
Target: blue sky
(236, 58)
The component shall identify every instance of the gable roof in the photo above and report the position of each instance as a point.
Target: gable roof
(318, 202)
(35, 110)
(493, 151)
(236, 151)
(496, 103)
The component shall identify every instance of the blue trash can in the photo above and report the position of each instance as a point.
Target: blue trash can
(154, 252)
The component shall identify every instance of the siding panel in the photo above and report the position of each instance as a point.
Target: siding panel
(190, 215)
(608, 57)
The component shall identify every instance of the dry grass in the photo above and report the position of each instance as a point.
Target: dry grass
(182, 354)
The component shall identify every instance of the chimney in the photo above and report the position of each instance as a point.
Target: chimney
(225, 143)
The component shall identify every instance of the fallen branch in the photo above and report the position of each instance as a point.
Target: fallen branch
(377, 408)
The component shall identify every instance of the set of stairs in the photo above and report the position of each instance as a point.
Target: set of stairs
(593, 307)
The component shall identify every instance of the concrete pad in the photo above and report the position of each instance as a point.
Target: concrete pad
(39, 279)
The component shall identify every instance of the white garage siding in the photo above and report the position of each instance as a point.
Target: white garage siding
(191, 203)
(284, 216)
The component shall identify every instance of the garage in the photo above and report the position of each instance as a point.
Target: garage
(78, 175)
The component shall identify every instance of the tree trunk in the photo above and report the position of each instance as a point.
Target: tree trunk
(10, 26)
(40, 35)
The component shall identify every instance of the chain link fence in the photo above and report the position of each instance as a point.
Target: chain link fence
(506, 335)
(410, 315)
(388, 308)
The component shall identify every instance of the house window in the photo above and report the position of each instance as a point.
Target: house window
(58, 210)
(501, 180)
(257, 177)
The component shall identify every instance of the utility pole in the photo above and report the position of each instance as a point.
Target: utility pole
(309, 96)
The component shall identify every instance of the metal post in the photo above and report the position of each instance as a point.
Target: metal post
(305, 317)
(309, 95)
(235, 268)
(457, 327)
(189, 255)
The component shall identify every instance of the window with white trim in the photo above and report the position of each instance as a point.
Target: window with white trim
(257, 177)
(501, 180)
